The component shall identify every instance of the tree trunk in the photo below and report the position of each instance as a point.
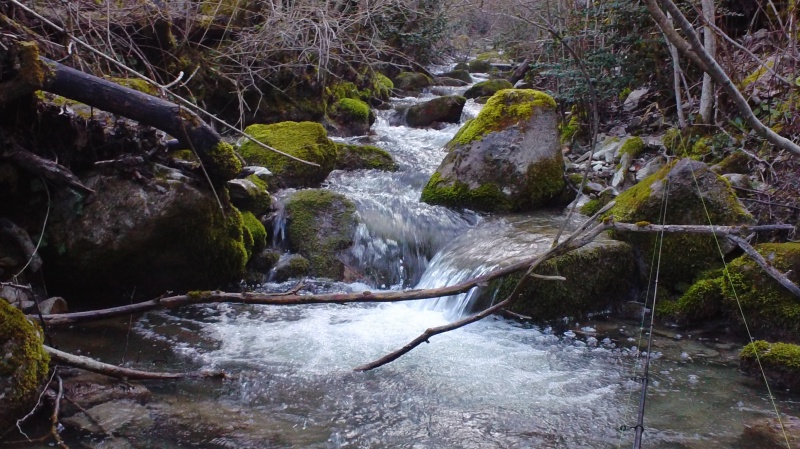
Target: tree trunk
(520, 72)
(710, 44)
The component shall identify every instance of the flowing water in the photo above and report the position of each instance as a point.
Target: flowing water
(493, 384)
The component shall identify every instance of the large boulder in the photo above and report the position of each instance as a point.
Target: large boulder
(506, 159)
(694, 195)
(600, 276)
(442, 109)
(321, 225)
(479, 66)
(487, 88)
(136, 239)
(779, 362)
(462, 75)
(23, 365)
(305, 140)
(412, 81)
(352, 117)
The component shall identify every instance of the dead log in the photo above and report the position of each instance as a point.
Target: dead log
(217, 157)
(85, 363)
(520, 71)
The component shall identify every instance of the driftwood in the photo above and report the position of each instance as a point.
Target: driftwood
(94, 366)
(48, 170)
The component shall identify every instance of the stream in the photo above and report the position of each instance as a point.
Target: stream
(494, 384)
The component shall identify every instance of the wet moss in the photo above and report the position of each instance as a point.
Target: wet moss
(257, 232)
(321, 225)
(570, 129)
(304, 140)
(354, 157)
(703, 300)
(594, 205)
(599, 277)
(137, 84)
(545, 181)
(23, 364)
(383, 86)
(780, 363)
(352, 109)
(221, 162)
(506, 108)
(487, 197)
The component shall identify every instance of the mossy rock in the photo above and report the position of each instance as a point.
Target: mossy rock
(696, 195)
(136, 239)
(600, 276)
(355, 157)
(23, 365)
(382, 87)
(780, 361)
(633, 146)
(462, 75)
(571, 128)
(487, 88)
(445, 109)
(293, 266)
(736, 162)
(595, 204)
(305, 140)
(320, 227)
(702, 302)
(250, 194)
(256, 231)
(771, 309)
(506, 159)
(353, 117)
(412, 81)
(479, 66)
(462, 66)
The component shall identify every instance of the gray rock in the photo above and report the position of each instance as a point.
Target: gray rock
(246, 195)
(450, 82)
(291, 266)
(650, 168)
(443, 109)
(634, 98)
(53, 305)
(125, 417)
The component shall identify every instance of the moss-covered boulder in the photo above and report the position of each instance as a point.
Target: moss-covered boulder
(487, 88)
(479, 66)
(250, 194)
(135, 239)
(695, 195)
(600, 276)
(320, 227)
(412, 81)
(255, 235)
(462, 75)
(781, 363)
(353, 117)
(23, 365)
(305, 140)
(445, 109)
(292, 266)
(506, 159)
(355, 157)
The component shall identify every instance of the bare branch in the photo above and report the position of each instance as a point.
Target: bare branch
(766, 266)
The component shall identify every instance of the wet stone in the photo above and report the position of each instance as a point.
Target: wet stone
(125, 417)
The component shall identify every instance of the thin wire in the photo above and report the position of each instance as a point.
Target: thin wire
(741, 312)
(41, 236)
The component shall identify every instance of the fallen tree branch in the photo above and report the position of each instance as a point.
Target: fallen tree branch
(94, 366)
(19, 235)
(294, 298)
(766, 266)
(49, 170)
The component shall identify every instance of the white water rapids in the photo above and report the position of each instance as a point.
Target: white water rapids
(493, 384)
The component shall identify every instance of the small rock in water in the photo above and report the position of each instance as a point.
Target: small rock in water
(569, 334)
(591, 341)
(684, 357)
(693, 379)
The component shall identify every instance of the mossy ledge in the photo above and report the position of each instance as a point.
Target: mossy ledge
(23, 364)
(781, 363)
(487, 197)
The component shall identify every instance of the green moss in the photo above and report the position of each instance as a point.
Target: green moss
(412, 81)
(487, 197)
(683, 255)
(736, 162)
(257, 232)
(305, 140)
(769, 307)
(478, 66)
(137, 84)
(197, 295)
(320, 225)
(774, 355)
(383, 86)
(594, 205)
(598, 277)
(757, 74)
(32, 70)
(569, 130)
(633, 146)
(507, 107)
(545, 181)
(487, 88)
(184, 155)
(23, 364)
(703, 300)
(352, 109)
(354, 157)
(221, 162)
